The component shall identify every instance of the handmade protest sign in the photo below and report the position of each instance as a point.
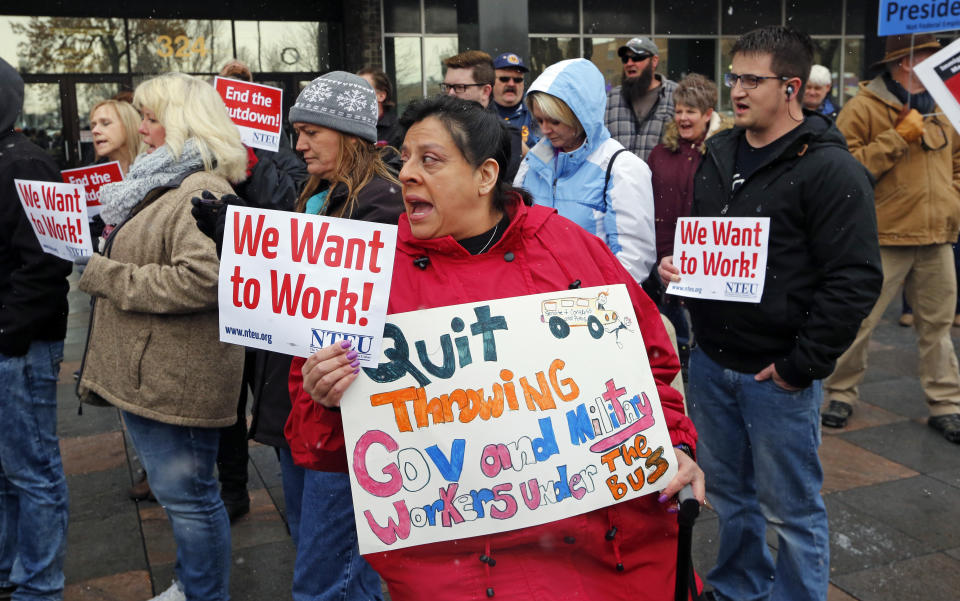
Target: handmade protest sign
(295, 283)
(917, 16)
(91, 178)
(721, 258)
(256, 109)
(58, 215)
(497, 415)
(940, 75)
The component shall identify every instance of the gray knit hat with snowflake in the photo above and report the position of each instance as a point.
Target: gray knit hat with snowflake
(341, 101)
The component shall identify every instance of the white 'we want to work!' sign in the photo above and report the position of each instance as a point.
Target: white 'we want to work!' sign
(58, 215)
(295, 283)
(721, 258)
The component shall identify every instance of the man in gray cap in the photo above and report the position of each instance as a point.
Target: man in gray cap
(639, 108)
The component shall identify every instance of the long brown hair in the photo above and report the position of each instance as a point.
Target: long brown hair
(358, 161)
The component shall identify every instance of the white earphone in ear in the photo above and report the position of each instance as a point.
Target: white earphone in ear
(789, 91)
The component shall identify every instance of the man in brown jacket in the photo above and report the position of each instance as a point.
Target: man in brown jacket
(894, 128)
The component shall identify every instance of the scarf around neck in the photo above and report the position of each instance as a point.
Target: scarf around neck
(149, 171)
(923, 101)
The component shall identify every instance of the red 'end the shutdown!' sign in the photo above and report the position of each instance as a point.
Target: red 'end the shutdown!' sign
(91, 178)
(256, 109)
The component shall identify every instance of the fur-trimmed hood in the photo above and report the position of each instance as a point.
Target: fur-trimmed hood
(671, 135)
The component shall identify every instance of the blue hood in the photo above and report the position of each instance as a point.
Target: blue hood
(580, 85)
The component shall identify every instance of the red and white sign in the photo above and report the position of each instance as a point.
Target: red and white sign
(91, 178)
(721, 258)
(58, 215)
(295, 283)
(255, 108)
(940, 75)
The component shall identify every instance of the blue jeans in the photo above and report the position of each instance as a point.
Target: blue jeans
(329, 566)
(291, 476)
(33, 489)
(180, 461)
(758, 448)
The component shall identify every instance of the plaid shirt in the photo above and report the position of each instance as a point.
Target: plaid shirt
(639, 138)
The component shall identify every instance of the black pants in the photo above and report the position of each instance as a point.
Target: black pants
(233, 455)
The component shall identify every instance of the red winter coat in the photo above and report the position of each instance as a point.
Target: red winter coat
(567, 559)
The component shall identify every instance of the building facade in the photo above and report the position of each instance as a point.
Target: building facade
(72, 55)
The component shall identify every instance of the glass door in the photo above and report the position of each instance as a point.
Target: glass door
(42, 120)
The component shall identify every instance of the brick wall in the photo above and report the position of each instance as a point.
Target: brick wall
(361, 28)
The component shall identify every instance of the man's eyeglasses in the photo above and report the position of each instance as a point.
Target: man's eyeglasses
(458, 88)
(748, 81)
(637, 58)
(508, 79)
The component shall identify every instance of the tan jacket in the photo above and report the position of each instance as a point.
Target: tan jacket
(918, 191)
(153, 347)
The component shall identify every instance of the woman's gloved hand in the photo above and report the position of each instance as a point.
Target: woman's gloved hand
(211, 214)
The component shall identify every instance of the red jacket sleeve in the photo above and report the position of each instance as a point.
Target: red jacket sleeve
(314, 433)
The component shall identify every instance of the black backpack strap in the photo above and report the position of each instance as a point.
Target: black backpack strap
(606, 179)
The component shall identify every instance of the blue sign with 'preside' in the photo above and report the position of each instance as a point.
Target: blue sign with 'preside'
(917, 16)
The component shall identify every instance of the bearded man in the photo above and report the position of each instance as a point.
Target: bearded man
(639, 108)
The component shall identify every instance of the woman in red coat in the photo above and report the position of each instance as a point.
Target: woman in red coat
(469, 236)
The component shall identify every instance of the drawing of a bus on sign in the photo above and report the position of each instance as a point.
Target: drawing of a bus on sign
(563, 313)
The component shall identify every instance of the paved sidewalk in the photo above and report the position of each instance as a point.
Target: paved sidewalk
(892, 489)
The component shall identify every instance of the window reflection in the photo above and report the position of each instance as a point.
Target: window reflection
(603, 53)
(544, 51)
(272, 46)
(63, 44)
(435, 49)
(403, 65)
(190, 45)
(41, 119)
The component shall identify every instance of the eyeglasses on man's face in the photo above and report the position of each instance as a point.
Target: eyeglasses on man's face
(458, 88)
(747, 80)
(508, 79)
(637, 58)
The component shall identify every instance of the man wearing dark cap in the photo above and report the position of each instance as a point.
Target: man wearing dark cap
(639, 108)
(508, 97)
(894, 128)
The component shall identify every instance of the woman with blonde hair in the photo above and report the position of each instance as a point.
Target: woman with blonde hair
(114, 124)
(582, 172)
(153, 348)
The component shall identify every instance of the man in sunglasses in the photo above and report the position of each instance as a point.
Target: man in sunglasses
(508, 98)
(639, 108)
(894, 128)
(754, 392)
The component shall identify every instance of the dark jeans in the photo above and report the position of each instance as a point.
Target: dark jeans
(33, 489)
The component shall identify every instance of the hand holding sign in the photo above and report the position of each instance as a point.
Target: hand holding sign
(210, 213)
(328, 372)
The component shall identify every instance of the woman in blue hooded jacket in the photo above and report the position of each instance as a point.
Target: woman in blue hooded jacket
(577, 168)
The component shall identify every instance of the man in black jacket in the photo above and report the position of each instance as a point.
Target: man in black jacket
(33, 323)
(754, 391)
